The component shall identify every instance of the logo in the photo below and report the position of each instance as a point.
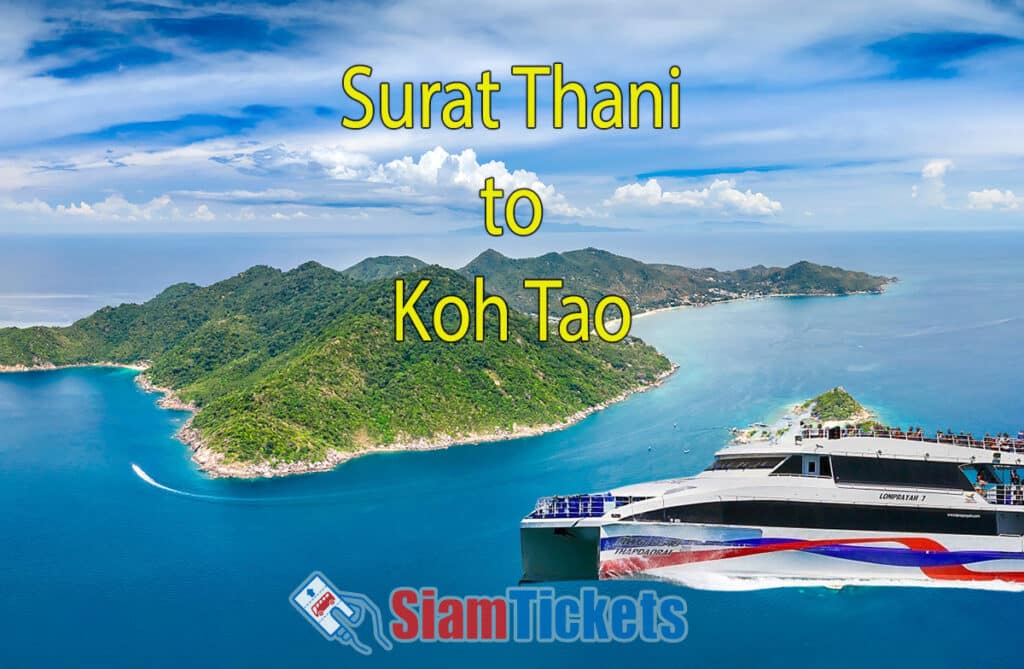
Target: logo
(337, 614)
(520, 615)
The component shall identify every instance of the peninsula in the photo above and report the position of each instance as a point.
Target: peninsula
(593, 273)
(297, 371)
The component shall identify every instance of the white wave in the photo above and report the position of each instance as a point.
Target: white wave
(950, 329)
(141, 473)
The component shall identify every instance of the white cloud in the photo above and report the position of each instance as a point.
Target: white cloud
(936, 169)
(796, 120)
(117, 208)
(649, 193)
(932, 189)
(993, 198)
(332, 161)
(722, 195)
(80, 209)
(33, 206)
(266, 195)
(113, 208)
(436, 176)
(203, 213)
(438, 169)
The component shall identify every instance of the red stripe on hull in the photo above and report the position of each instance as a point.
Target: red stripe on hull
(631, 565)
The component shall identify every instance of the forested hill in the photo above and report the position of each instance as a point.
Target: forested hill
(383, 267)
(289, 367)
(594, 273)
(286, 366)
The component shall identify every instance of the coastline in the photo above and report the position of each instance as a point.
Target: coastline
(214, 465)
(50, 367)
(789, 415)
(747, 298)
(212, 462)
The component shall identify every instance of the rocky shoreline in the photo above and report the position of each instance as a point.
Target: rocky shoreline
(794, 416)
(214, 465)
(170, 399)
(49, 367)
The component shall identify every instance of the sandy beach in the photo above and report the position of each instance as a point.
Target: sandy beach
(744, 298)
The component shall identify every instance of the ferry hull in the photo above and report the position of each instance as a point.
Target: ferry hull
(728, 557)
(559, 553)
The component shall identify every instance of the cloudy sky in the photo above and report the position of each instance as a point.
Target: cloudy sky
(212, 116)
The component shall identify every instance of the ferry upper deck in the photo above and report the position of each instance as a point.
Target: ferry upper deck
(964, 469)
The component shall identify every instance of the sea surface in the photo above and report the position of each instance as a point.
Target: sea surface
(100, 568)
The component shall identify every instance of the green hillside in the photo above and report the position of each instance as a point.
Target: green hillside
(383, 267)
(836, 404)
(593, 273)
(287, 365)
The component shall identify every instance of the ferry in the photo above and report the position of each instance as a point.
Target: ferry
(823, 505)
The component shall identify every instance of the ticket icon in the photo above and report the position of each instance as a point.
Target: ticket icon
(337, 613)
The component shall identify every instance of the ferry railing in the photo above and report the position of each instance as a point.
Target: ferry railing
(1005, 444)
(1004, 494)
(579, 506)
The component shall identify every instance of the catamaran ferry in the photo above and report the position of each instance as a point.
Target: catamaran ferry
(826, 506)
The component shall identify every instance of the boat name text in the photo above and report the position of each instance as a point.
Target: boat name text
(901, 497)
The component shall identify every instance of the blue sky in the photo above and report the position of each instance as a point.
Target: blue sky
(215, 116)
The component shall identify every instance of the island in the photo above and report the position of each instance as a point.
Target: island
(298, 371)
(593, 273)
(838, 406)
(833, 408)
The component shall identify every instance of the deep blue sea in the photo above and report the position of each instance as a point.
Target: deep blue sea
(98, 568)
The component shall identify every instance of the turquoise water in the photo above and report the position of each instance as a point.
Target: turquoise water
(97, 567)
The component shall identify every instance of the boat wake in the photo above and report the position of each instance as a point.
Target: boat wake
(141, 473)
(951, 329)
(224, 499)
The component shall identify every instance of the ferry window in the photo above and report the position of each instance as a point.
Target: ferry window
(805, 465)
(827, 515)
(744, 463)
(887, 471)
(792, 466)
(987, 471)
